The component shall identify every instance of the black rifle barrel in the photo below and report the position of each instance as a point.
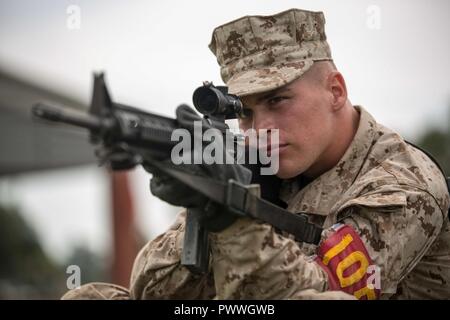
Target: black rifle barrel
(55, 114)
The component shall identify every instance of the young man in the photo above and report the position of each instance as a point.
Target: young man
(382, 203)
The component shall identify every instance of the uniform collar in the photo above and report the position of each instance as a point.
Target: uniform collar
(320, 195)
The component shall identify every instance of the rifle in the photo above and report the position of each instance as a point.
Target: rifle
(131, 137)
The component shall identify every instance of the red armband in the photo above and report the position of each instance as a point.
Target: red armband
(345, 259)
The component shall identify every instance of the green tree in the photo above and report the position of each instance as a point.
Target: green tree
(25, 269)
(437, 142)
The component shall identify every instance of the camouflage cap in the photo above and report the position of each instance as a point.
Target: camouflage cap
(261, 53)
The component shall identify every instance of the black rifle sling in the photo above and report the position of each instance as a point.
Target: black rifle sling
(239, 200)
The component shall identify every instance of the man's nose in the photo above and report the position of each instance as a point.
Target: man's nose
(262, 121)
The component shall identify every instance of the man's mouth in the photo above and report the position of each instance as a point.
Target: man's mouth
(274, 148)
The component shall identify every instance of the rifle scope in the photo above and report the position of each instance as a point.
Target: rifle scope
(215, 101)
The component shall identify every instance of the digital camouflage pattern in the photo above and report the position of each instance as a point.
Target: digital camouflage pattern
(398, 201)
(261, 53)
(98, 291)
(389, 192)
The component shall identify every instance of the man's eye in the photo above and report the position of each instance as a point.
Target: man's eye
(275, 100)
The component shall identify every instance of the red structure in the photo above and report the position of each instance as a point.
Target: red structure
(124, 233)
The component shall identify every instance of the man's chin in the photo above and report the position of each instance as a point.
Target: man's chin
(287, 168)
(287, 173)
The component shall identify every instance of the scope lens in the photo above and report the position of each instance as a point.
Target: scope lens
(205, 100)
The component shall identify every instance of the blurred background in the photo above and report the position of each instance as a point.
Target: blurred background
(58, 209)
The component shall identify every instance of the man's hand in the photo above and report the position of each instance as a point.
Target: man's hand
(216, 217)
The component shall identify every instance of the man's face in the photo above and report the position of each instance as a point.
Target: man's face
(302, 113)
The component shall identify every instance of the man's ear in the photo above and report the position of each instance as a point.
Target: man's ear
(338, 89)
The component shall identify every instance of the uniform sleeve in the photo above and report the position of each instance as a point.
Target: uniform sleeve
(382, 237)
(158, 274)
(390, 231)
(397, 228)
(252, 261)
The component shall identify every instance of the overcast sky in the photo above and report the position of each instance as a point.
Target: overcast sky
(393, 54)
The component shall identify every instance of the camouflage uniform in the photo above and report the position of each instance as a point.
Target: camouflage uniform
(389, 193)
